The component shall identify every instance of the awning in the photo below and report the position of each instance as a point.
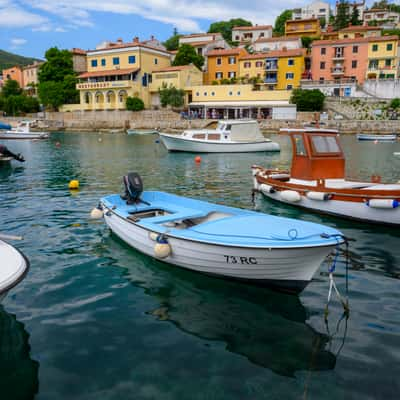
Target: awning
(113, 72)
(259, 103)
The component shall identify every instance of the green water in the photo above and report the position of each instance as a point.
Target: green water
(94, 319)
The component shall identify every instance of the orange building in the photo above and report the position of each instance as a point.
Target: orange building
(303, 27)
(15, 73)
(223, 64)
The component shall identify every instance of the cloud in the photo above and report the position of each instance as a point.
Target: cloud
(184, 14)
(13, 16)
(17, 42)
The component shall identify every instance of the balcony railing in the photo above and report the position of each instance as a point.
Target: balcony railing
(271, 80)
(337, 71)
(105, 85)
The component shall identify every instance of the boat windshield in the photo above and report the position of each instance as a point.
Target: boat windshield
(325, 144)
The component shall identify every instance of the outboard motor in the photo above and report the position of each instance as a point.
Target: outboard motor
(7, 153)
(133, 188)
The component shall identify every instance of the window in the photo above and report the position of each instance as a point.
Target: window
(290, 61)
(321, 80)
(205, 93)
(388, 63)
(103, 62)
(219, 61)
(230, 93)
(325, 144)
(131, 59)
(354, 64)
(322, 10)
(237, 38)
(374, 47)
(323, 50)
(94, 63)
(218, 75)
(300, 149)
(232, 60)
(197, 94)
(289, 87)
(322, 65)
(389, 47)
(259, 64)
(247, 64)
(290, 75)
(355, 49)
(231, 74)
(156, 61)
(238, 93)
(212, 93)
(115, 60)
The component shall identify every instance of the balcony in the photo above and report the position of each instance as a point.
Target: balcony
(271, 80)
(105, 85)
(337, 71)
(338, 57)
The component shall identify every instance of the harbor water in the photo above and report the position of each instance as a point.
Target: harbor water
(95, 319)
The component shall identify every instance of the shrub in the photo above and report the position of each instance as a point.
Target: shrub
(395, 103)
(134, 104)
(308, 100)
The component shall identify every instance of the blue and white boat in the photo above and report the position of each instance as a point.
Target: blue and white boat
(218, 240)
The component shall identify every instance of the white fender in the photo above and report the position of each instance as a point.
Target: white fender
(96, 213)
(290, 195)
(382, 203)
(267, 188)
(322, 196)
(162, 249)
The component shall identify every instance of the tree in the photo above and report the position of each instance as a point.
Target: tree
(187, 55)
(171, 96)
(395, 103)
(308, 100)
(342, 17)
(57, 79)
(306, 41)
(355, 17)
(225, 27)
(172, 43)
(10, 88)
(134, 104)
(279, 28)
(322, 22)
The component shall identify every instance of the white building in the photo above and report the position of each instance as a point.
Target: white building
(376, 14)
(250, 34)
(204, 42)
(276, 43)
(317, 9)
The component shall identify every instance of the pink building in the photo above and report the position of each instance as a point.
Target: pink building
(333, 60)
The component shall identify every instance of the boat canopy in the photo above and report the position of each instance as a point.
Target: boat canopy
(317, 154)
(5, 126)
(245, 131)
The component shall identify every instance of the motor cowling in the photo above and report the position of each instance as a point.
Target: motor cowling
(133, 188)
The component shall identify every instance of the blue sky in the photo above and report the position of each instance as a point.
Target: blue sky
(29, 27)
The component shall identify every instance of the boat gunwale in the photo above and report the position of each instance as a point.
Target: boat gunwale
(266, 140)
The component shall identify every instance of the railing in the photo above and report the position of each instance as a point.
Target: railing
(271, 80)
(309, 82)
(337, 71)
(105, 85)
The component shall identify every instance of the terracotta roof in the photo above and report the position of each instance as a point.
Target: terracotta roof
(113, 72)
(225, 52)
(194, 44)
(200, 34)
(251, 28)
(76, 50)
(360, 28)
(277, 39)
(173, 68)
(127, 44)
(275, 54)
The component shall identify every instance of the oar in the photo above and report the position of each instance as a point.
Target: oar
(10, 237)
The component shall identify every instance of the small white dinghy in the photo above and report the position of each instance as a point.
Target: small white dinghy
(223, 241)
(23, 131)
(230, 136)
(14, 266)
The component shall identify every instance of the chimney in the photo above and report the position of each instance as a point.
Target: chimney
(136, 39)
(119, 41)
(152, 37)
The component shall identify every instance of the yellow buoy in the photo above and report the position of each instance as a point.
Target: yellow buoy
(74, 184)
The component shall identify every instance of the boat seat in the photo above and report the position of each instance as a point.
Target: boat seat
(186, 213)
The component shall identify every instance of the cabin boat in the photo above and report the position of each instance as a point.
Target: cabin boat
(317, 181)
(23, 131)
(379, 138)
(230, 136)
(222, 241)
(14, 267)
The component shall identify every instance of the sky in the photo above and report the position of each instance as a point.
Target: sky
(30, 27)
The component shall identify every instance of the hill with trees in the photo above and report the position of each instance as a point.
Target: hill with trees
(8, 60)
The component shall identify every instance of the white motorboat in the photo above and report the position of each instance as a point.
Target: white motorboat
(218, 240)
(317, 181)
(378, 137)
(14, 267)
(230, 136)
(23, 131)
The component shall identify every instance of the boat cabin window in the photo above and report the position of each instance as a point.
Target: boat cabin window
(325, 144)
(199, 136)
(300, 148)
(228, 127)
(214, 136)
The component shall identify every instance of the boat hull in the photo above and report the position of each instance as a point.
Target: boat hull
(176, 143)
(389, 138)
(21, 135)
(287, 269)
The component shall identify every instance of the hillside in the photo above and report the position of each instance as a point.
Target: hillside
(8, 60)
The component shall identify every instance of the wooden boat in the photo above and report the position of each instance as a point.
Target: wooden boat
(23, 131)
(218, 240)
(235, 136)
(367, 136)
(14, 267)
(141, 131)
(317, 181)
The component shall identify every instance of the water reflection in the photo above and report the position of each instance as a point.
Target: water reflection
(267, 328)
(18, 372)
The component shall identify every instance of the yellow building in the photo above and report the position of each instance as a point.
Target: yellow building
(181, 77)
(383, 57)
(358, 31)
(116, 71)
(223, 64)
(279, 70)
(240, 101)
(303, 27)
